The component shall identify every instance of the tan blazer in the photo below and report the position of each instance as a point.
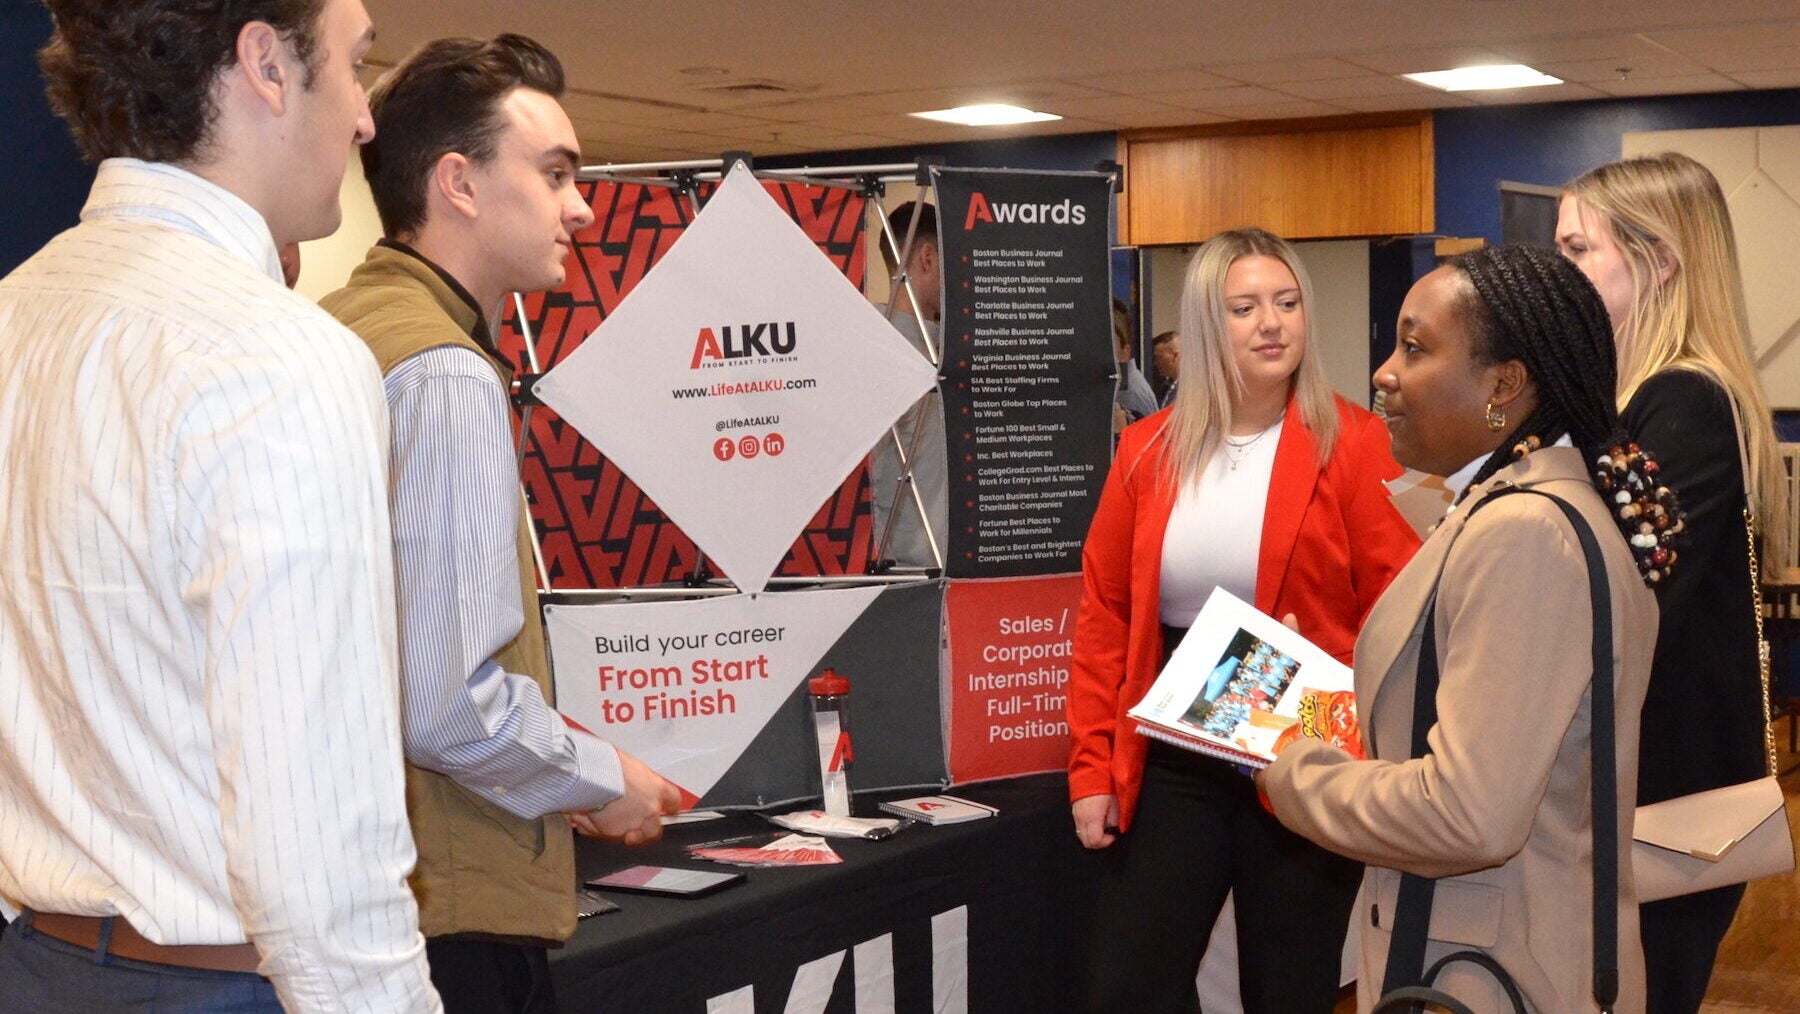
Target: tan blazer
(1501, 807)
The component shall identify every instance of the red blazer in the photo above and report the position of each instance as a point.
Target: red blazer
(1331, 541)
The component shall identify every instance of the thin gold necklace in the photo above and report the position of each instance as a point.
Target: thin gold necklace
(1242, 449)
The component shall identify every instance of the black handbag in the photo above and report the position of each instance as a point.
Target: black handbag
(1407, 985)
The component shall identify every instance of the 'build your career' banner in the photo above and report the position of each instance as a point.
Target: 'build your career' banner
(1028, 365)
(711, 693)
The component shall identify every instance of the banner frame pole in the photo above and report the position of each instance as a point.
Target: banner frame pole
(917, 414)
(683, 177)
(687, 186)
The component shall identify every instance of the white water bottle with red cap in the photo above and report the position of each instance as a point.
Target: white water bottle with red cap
(830, 695)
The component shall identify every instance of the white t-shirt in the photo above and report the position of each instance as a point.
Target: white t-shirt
(1215, 531)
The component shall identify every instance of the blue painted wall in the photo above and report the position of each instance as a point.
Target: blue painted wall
(1552, 143)
(46, 180)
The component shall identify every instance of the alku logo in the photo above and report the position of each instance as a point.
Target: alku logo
(1065, 213)
(744, 342)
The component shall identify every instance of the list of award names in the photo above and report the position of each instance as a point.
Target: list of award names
(1021, 339)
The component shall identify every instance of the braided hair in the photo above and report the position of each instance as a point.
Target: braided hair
(1535, 306)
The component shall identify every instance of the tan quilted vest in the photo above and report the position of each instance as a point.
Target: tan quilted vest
(481, 870)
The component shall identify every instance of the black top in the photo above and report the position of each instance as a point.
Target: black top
(1702, 721)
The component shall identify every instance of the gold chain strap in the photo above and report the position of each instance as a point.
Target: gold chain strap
(1762, 643)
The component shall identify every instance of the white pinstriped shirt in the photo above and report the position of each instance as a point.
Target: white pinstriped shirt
(199, 713)
(456, 515)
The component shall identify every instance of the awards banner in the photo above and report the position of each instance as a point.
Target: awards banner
(1028, 365)
(1010, 645)
(597, 528)
(740, 384)
(711, 693)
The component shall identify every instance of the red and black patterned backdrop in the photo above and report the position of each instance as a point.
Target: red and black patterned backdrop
(598, 529)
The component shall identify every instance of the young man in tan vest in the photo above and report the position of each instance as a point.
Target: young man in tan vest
(474, 179)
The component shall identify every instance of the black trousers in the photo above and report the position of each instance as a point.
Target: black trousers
(1199, 833)
(476, 976)
(1681, 940)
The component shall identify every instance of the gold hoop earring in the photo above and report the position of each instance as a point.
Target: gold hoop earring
(1496, 419)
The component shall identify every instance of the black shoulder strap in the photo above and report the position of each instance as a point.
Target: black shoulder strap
(1412, 918)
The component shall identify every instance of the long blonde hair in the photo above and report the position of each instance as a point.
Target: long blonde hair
(1668, 216)
(1210, 379)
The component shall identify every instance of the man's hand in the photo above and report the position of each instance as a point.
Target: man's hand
(1096, 818)
(633, 818)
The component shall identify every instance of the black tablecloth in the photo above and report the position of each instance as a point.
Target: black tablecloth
(1023, 878)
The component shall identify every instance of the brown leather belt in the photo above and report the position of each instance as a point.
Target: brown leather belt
(84, 931)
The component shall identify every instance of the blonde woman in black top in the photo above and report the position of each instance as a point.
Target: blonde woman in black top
(1655, 237)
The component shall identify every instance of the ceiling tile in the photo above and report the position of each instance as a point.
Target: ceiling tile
(1354, 87)
(1220, 98)
(1644, 65)
(707, 122)
(1126, 112)
(1287, 110)
(1262, 72)
(1044, 90)
(1769, 78)
(1168, 79)
(1429, 98)
(1690, 85)
(1720, 37)
(1066, 125)
(1413, 61)
(1543, 93)
(1731, 61)
(1557, 49)
(1030, 94)
(893, 125)
(796, 110)
(589, 107)
(794, 133)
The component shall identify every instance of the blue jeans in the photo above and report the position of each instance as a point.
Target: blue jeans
(43, 975)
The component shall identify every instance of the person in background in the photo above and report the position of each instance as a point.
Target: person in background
(1134, 395)
(201, 802)
(1504, 359)
(921, 430)
(1165, 357)
(1655, 237)
(1261, 481)
(473, 174)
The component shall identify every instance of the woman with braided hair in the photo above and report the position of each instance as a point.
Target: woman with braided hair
(1655, 237)
(1503, 377)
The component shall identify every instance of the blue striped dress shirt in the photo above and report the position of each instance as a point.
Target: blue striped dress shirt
(456, 503)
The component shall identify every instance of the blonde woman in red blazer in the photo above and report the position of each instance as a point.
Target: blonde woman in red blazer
(1253, 422)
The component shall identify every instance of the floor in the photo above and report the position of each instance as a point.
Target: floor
(1758, 971)
(1759, 962)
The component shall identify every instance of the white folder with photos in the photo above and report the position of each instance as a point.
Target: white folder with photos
(1240, 686)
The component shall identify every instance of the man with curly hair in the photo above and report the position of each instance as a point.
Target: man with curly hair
(201, 797)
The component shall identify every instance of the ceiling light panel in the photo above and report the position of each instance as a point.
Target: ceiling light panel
(1484, 78)
(990, 114)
